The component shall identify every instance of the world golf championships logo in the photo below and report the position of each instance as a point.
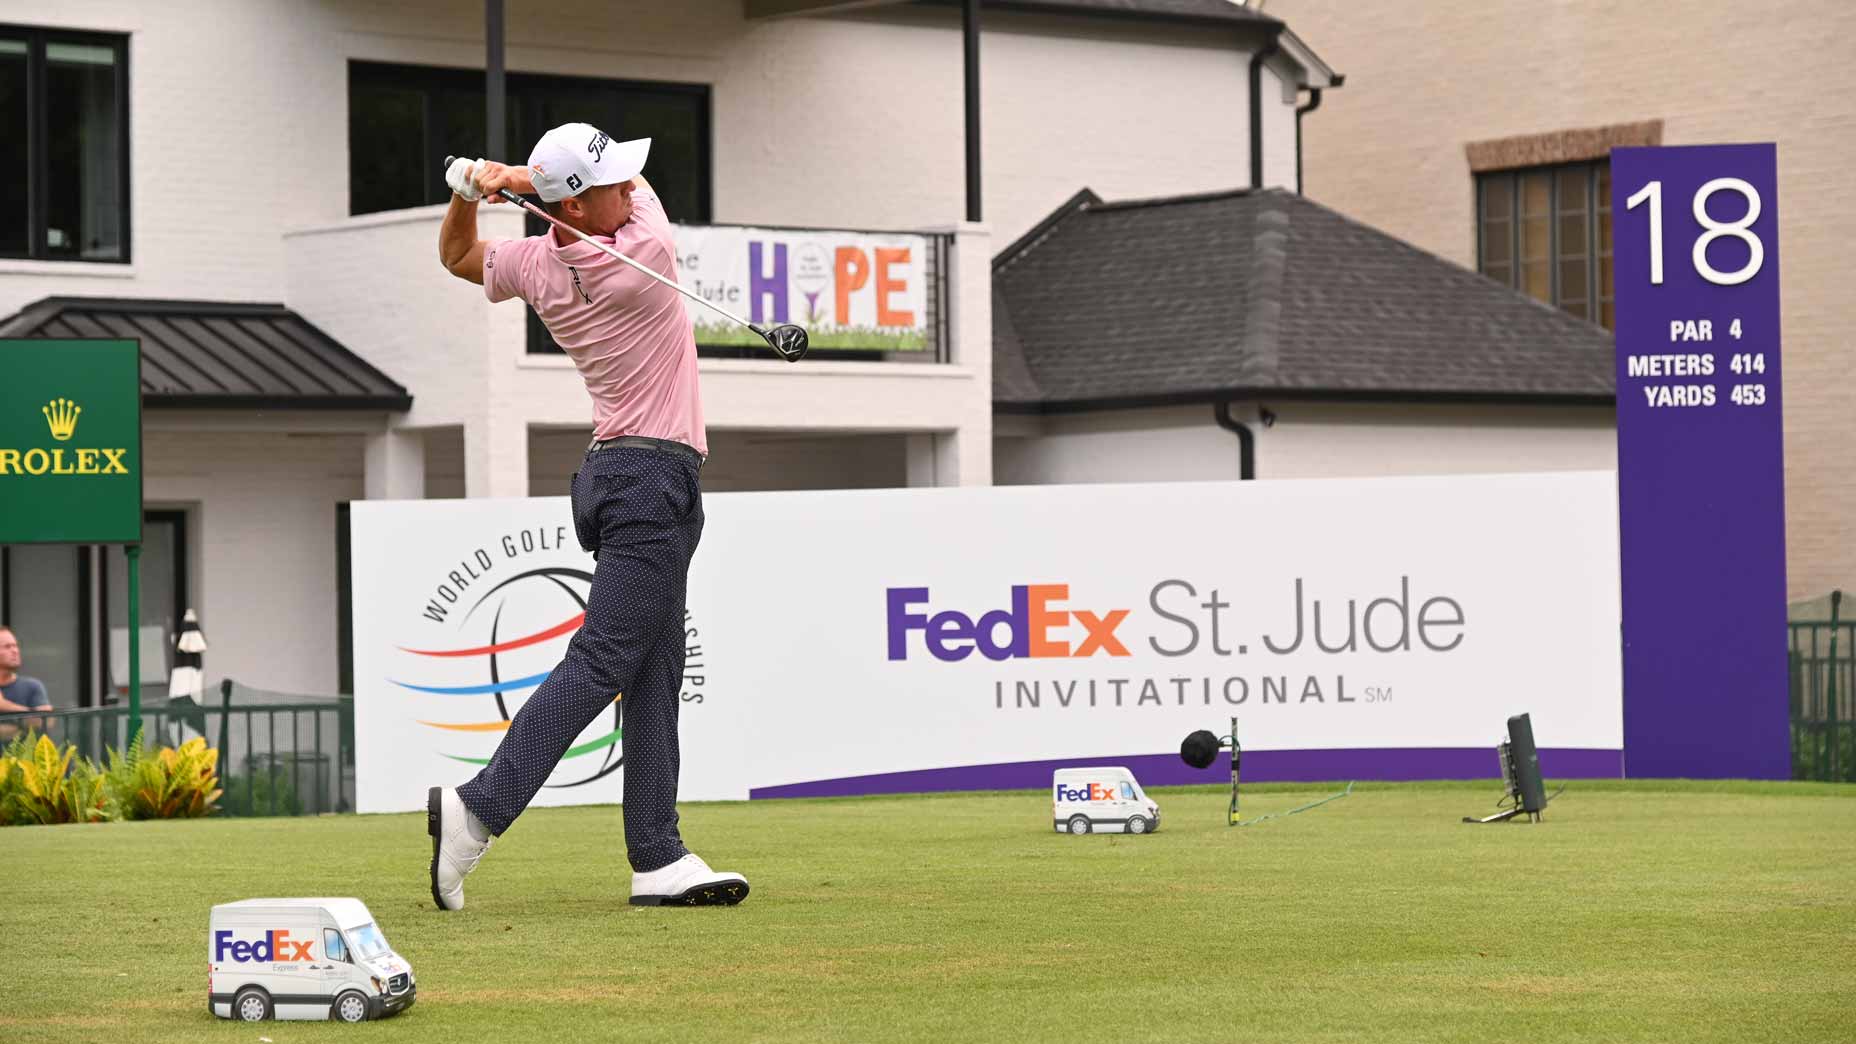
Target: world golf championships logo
(516, 665)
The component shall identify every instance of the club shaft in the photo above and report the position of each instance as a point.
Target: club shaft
(671, 283)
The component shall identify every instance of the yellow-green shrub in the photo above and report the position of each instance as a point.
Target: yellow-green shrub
(167, 784)
(48, 786)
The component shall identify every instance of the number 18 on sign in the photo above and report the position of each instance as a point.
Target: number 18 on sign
(1701, 470)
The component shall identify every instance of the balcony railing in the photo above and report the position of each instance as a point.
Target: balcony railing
(872, 296)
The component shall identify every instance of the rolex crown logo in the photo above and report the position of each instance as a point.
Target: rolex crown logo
(61, 414)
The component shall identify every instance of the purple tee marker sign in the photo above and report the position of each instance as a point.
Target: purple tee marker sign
(1701, 479)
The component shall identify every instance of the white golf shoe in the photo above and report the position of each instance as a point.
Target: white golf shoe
(688, 882)
(456, 847)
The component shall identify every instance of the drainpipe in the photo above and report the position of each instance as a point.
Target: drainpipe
(494, 129)
(970, 70)
(1246, 440)
(1256, 104)
(1314, 102)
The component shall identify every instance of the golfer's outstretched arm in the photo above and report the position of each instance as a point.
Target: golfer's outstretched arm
(459, 249)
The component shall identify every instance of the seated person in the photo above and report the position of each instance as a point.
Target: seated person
(18, 693)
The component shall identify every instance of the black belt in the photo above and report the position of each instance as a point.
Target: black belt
(675, 449)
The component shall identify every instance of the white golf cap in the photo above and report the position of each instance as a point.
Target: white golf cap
(574, 156)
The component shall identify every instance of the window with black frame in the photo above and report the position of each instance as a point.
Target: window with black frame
(404, 119)
(64, 145)
(1546, 231)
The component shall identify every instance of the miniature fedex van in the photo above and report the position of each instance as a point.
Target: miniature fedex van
(1106, 800)
(303, 959)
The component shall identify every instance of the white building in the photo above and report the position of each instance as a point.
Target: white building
(189, 161)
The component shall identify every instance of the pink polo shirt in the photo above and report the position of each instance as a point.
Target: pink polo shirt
(627, 334)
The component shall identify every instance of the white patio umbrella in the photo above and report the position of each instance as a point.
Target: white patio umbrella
(186, 702)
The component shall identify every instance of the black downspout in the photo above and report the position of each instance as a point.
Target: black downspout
(495, 126)
(970, 40)
(1314, 102)
(1246, 440)
(1256, 104)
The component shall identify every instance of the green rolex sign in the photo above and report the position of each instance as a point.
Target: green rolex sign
(70, 442)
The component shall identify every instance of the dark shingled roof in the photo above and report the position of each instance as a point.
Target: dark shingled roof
(1163, 10)
(1247, 293)
(220, 355)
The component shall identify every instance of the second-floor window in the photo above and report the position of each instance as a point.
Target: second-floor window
(1547, 232)
(64, 145)
(404, 119)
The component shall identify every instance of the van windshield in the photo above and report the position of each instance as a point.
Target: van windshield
(368, 942)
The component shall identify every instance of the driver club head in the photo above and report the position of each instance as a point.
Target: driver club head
(788, 341)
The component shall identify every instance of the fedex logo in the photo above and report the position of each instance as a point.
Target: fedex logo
(1094, 792)
(1035, 626)
(274, 945)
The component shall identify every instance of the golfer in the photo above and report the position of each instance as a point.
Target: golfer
(637, 502)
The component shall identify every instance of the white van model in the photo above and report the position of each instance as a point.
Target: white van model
(1106, 800)
(303, 959)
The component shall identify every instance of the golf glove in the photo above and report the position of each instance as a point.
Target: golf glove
(458, 176)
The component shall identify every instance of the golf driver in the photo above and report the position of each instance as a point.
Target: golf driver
(787, 341)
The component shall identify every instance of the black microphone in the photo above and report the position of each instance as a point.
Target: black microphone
(1200, 749)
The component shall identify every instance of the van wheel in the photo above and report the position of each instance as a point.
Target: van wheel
(1137, 825)
(251, 1004)
(351, 1007)
(1079, 824)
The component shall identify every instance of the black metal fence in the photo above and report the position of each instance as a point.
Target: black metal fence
(280, 754)
(1823, 698)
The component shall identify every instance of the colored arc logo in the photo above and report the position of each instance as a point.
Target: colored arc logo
(607, 745)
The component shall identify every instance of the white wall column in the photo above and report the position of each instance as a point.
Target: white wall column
(395, 465)
(950, 458)
(963, 457)
(932, 459)
(496, 456)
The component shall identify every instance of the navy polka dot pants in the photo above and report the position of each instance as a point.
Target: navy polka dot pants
(641, 511)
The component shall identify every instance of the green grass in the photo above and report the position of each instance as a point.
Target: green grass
(1651, 912)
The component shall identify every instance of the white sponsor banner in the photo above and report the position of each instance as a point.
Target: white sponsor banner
(461, 607)
(850, 290)
(846, 634)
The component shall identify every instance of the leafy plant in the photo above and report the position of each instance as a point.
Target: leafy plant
(10, 783)
(170, 783)
(49, 786)
(262, 792)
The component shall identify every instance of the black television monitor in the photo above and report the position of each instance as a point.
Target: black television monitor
(1524, 792)
(1521, 763)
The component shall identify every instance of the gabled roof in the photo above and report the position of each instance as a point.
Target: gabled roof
(1262, 292)
(1199, 11)
(1202, 11)
(1253, 25)
(220, 354)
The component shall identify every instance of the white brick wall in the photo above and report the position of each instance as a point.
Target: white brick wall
(239, 116)
(238, 132)
(742, 460)
(223, 150)
(261, 511)
(1308, 440)
(1423, 80)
